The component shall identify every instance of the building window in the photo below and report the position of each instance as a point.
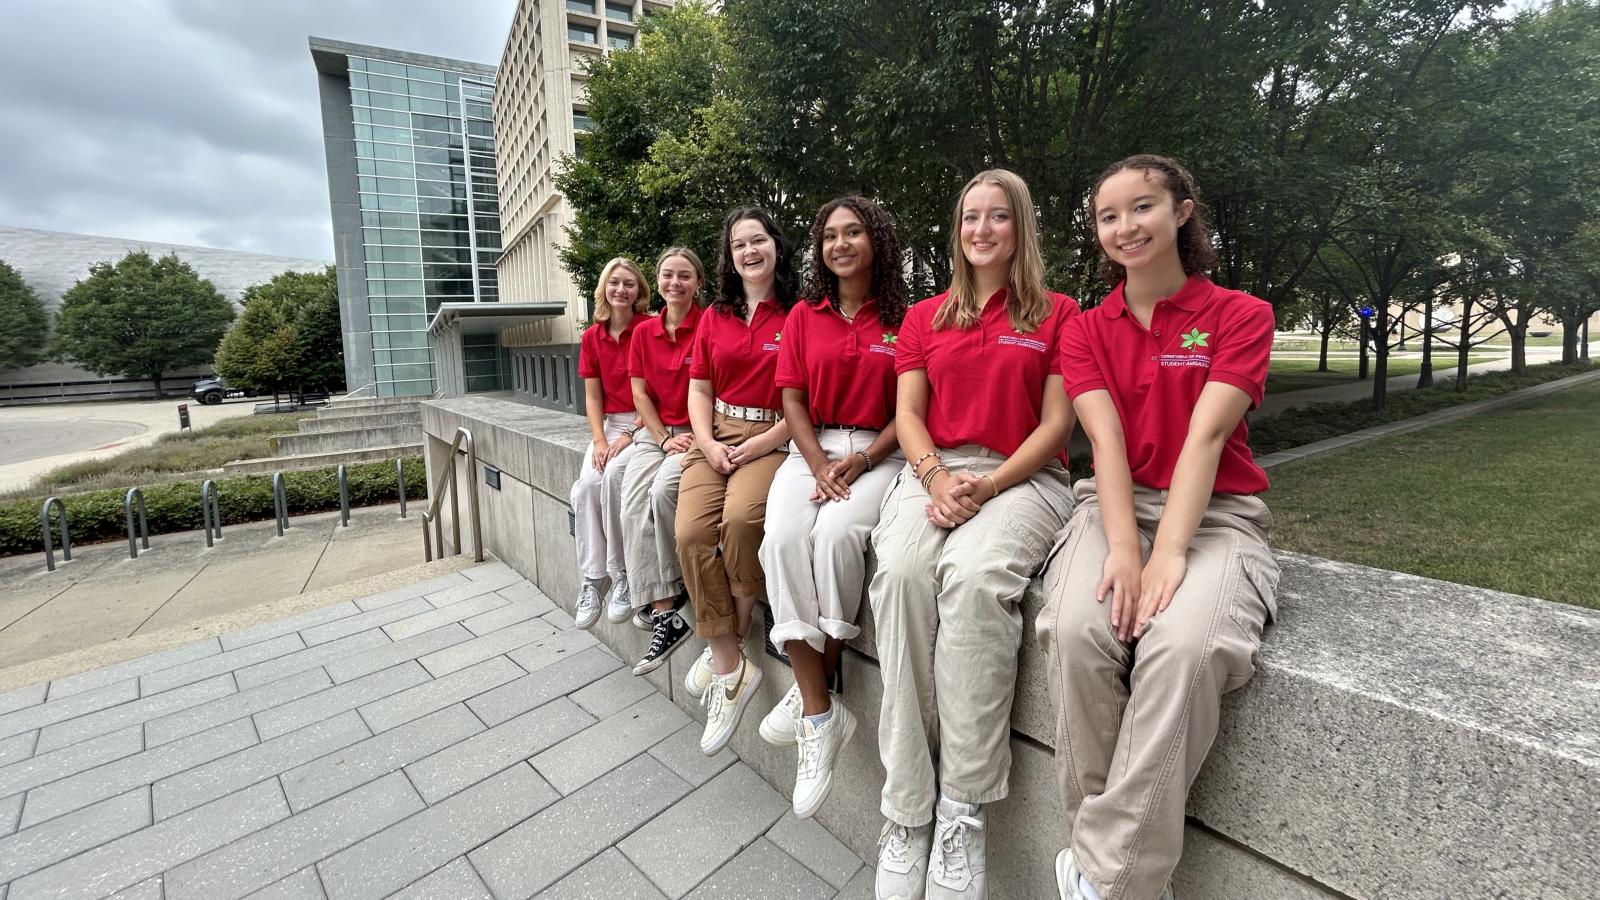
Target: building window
(619, 41)
(583, 6)
(581, 121)
(622, 12)
(583, 34)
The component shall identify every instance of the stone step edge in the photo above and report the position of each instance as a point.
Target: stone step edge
(122, 649)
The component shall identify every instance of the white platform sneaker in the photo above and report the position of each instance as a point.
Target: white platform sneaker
(778, 726)
(958, 867)
(818, 747)
(903, 862)
(587, 612)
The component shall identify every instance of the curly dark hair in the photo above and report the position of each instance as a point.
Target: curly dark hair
(730, 287)
(1194, 236)
(888, 283)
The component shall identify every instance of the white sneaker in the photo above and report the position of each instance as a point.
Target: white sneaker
(698, 679)
(957, 866)
(778, 725)
(619, 606)
(819, 746)
(902, 861)
(587, 612)
(725, 701)
(642, 619)
(1070, 881)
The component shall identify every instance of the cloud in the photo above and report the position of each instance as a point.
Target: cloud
(193, 121)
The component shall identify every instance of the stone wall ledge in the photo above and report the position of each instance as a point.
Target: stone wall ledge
(1403, 737)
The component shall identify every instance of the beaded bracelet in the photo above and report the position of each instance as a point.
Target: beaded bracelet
(916, 466)
(866, 456)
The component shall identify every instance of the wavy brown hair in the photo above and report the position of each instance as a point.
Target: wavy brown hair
(1194, 236)
(602, 306)
(730, 287)
(1027, 304)
(887, 283)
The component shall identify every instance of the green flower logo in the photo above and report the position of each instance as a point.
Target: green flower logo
(1195, 338)
(777, 336)
(890, 337)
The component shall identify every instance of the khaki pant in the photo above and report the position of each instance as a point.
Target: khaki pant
(946, 605)
(1135, 721)
(649, 508)
(597, 506)
(727, 510)
(815, 554)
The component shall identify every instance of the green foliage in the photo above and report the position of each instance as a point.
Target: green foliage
(288, 335)
(141, 318)
(24, 324)
(98, 515)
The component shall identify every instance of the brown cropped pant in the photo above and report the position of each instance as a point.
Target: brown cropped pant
(728, 510)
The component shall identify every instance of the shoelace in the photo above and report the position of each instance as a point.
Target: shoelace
(953, 843)
(658, 635)
(810, 741)
(896, 849)
(713, 698)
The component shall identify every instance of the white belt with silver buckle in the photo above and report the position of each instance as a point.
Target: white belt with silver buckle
(747, 413)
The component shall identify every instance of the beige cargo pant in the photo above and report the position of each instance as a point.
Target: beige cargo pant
(946, 606)
(649, 508)
(1134, 721)
(596, 500)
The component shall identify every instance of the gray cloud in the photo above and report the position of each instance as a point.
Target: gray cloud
(193, 121)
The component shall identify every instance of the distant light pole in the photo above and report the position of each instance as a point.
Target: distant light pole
(1425, 374)
(1366, 326)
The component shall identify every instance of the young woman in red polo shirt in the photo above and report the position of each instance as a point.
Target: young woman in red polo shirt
(658, 362)
(982, 421)
(836, 370)
(608, 402)
(1160, 586)
(739, 442)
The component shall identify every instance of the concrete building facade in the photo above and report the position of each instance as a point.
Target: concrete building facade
(51, 262)
(414, 194)
(539, 117)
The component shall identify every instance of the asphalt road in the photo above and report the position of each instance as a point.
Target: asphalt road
(28, 439)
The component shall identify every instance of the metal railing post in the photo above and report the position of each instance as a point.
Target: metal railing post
(210, 511)
(449, 481)
(49, 542)
(280, 502)
(400, 478)
(135, 497)
(344, 499)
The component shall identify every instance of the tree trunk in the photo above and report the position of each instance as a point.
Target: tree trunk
(1584, 342)
(1519, 348)
(1569, 341)
(1380, 347)
(1322, 357)
(1463, 346)
(156, 380)
(1361, 366)
(1425, 375)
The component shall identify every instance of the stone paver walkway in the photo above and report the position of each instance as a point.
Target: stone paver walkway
(457, 738)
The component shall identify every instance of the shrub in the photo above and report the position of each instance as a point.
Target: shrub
(175, 506)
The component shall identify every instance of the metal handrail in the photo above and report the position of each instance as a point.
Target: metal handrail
(66, 541)
(355, 394)
(210, 511)
(447, 478)
(344, 499)
(128, 503)
(400, 478)
(280, 502)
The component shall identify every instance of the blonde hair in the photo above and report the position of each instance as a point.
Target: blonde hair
(602, 307)
(1026, 303)
(694, 261)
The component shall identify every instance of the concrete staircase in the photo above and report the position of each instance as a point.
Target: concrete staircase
(345, 431)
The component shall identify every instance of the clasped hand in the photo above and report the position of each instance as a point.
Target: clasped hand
(1138, 593)
(604, 453)
(834, 477)
(725, 458)
(956, 496)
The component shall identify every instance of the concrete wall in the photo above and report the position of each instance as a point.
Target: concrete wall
(1402, 738)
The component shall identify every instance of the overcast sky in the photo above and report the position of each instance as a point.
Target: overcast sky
(193, 121)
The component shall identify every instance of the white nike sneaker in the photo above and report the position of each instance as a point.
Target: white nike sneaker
(725, 701)
(619, 606)
(587, 612)
(698, 679)
(903, 861)
(1071, 884)
(778, 725)
(957, 867)
(818, 747)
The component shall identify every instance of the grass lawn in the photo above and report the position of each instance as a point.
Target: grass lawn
(1300, 374)
(1505, 500)
(171, 456)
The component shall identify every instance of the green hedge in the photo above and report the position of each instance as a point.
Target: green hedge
(175, 506)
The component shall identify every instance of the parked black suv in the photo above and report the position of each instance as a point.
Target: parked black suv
(211, 391)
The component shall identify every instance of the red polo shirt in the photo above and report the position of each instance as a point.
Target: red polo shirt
(663, 363)
(740, 360)
(605, 357)
(845, 367)
(1201, 334)
(985, 383)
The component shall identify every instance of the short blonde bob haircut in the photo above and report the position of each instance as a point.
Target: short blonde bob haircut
(1027, 305)
(641, 303)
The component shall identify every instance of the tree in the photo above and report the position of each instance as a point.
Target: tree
(24, 324)
(141, 318)
(288, 336)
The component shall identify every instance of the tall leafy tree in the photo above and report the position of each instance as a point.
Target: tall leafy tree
(24, 324)
(287, 337)
(141, 317)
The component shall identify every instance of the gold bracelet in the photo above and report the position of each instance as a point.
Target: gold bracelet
(992, 485)
(917, 466)
(927, 479)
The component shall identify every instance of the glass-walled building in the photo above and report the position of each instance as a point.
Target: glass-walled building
(409, 141)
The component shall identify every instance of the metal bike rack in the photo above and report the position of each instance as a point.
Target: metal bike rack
(280, 502)
(344, 499)
(135, 498)
(447, 479)
(210, 511)
(66, 540)
(400, 479)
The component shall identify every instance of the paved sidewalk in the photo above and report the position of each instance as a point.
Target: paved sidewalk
(457, 738)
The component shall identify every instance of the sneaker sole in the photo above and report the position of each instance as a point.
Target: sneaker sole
(585, 626)
(615, 621)
(642, 669)
(810, 809)
(745, 697)
(775, 737)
